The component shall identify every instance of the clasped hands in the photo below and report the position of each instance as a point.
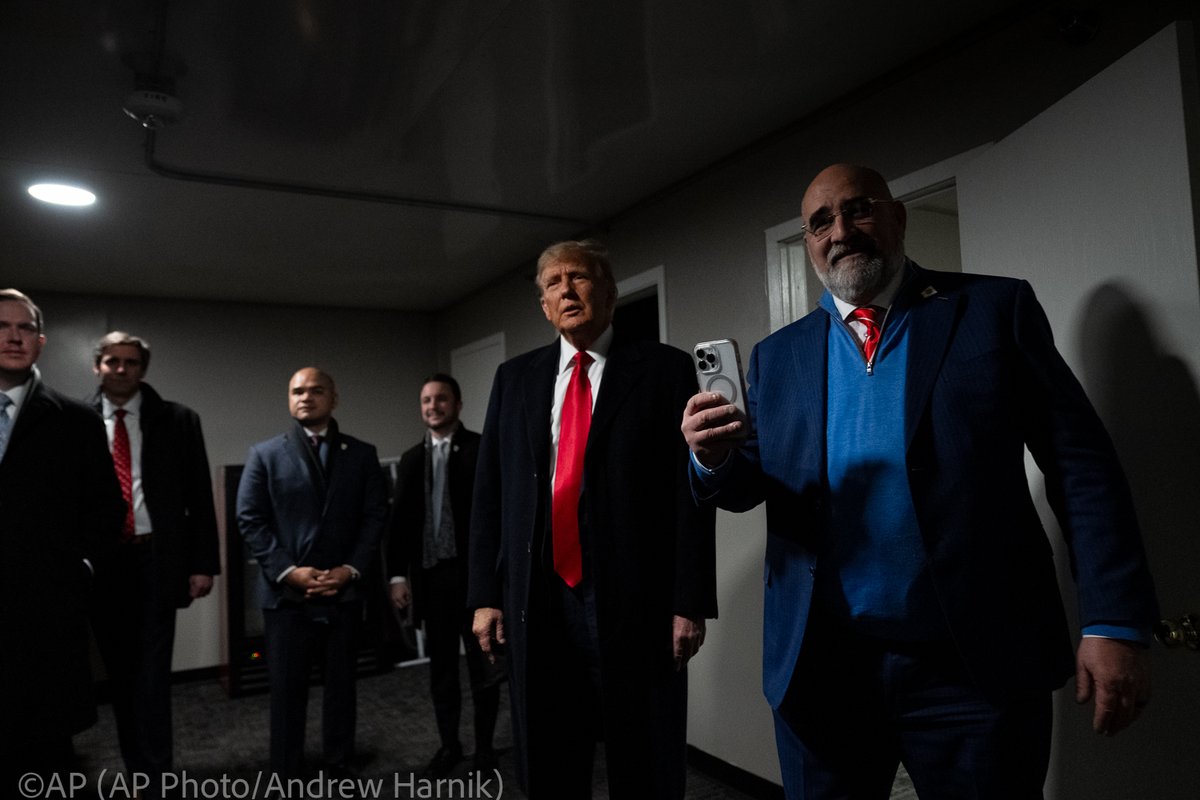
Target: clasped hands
(318, 582)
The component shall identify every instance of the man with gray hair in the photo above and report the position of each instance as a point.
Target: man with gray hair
(60, 508)
(168, 551)
(588, 556)
(911, 606)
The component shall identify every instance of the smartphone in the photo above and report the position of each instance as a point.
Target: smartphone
(719, 369)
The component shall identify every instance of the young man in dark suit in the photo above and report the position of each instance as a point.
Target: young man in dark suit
(168, 553)
(60, 509)
(912, 608)
(311, 505)
(589, 557)
(427, 559)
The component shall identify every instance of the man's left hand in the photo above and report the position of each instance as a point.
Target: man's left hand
(689, 635)
(1116, 674)
(199, 585)
(329, 582)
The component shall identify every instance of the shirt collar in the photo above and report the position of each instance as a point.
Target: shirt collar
(433, 438)
(598, 351)
(17, 394)
(132, 408)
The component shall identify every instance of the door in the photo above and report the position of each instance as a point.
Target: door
(1092, 202)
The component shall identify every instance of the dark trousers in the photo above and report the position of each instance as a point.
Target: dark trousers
(296, 636)
(447, 622)
(134, 624)
(858, 707)
(645, 740)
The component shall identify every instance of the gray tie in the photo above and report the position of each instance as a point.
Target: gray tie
(438, 485)
(5, 422)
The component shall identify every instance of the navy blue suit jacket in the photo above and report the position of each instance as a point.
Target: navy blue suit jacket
(291, 512)
(984, 381)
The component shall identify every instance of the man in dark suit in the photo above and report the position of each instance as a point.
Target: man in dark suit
(60, 508)
(311, 505)
(431, 517)
(912, 608)
(588, 556)
(168, 553)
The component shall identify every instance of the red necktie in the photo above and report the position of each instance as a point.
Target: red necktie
(568, 472)
(123, 461)
(867, 316)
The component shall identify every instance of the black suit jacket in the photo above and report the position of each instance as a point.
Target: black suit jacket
(647, 546)
(406, 537)
(291, 512)
(59, 504)
(178, 489)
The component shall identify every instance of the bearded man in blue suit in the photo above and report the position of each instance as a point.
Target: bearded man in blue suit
(912, 611)
(311, 506)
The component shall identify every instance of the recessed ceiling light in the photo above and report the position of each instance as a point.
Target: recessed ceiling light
(61, 194)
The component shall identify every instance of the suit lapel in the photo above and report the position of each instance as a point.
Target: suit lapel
(931, 324)
(621, 371)
(538, 400)
(810, 365)
(35, 406)
(297, 442)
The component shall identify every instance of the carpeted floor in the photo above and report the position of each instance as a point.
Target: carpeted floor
(218, 738)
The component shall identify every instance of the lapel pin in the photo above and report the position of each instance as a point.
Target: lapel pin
(928, 292)
(343, 445)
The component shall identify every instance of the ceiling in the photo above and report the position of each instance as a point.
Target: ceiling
(394, 154)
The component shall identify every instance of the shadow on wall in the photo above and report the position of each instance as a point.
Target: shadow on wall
(1149, 401)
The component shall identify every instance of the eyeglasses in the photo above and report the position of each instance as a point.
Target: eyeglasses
(858, 210)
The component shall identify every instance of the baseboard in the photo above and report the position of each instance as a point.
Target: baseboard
(734, 777)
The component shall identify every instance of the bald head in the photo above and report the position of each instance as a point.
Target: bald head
(860, 246)
(312, 397)
(840, 176)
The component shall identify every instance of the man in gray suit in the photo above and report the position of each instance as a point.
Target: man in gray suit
(311, 506)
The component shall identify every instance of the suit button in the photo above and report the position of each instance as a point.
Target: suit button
(522, 615)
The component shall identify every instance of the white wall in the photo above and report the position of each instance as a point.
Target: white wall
(1106, 232)
(708, 235)
(231, 363)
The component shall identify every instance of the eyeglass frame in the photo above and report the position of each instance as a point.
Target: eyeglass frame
(808, 233)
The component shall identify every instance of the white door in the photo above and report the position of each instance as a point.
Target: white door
(474, 366)
(1093, 203)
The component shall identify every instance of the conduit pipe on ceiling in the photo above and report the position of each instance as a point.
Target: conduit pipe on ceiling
(240, 182)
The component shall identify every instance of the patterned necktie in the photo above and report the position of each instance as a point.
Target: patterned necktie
(123, 461)
(868, 316)
(5, 422)
(568, 472)
(438, 481)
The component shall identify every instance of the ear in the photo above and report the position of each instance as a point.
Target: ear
(545, 309)
(901, 213)
(335, 399)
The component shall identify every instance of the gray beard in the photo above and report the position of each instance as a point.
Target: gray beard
(862, 282)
